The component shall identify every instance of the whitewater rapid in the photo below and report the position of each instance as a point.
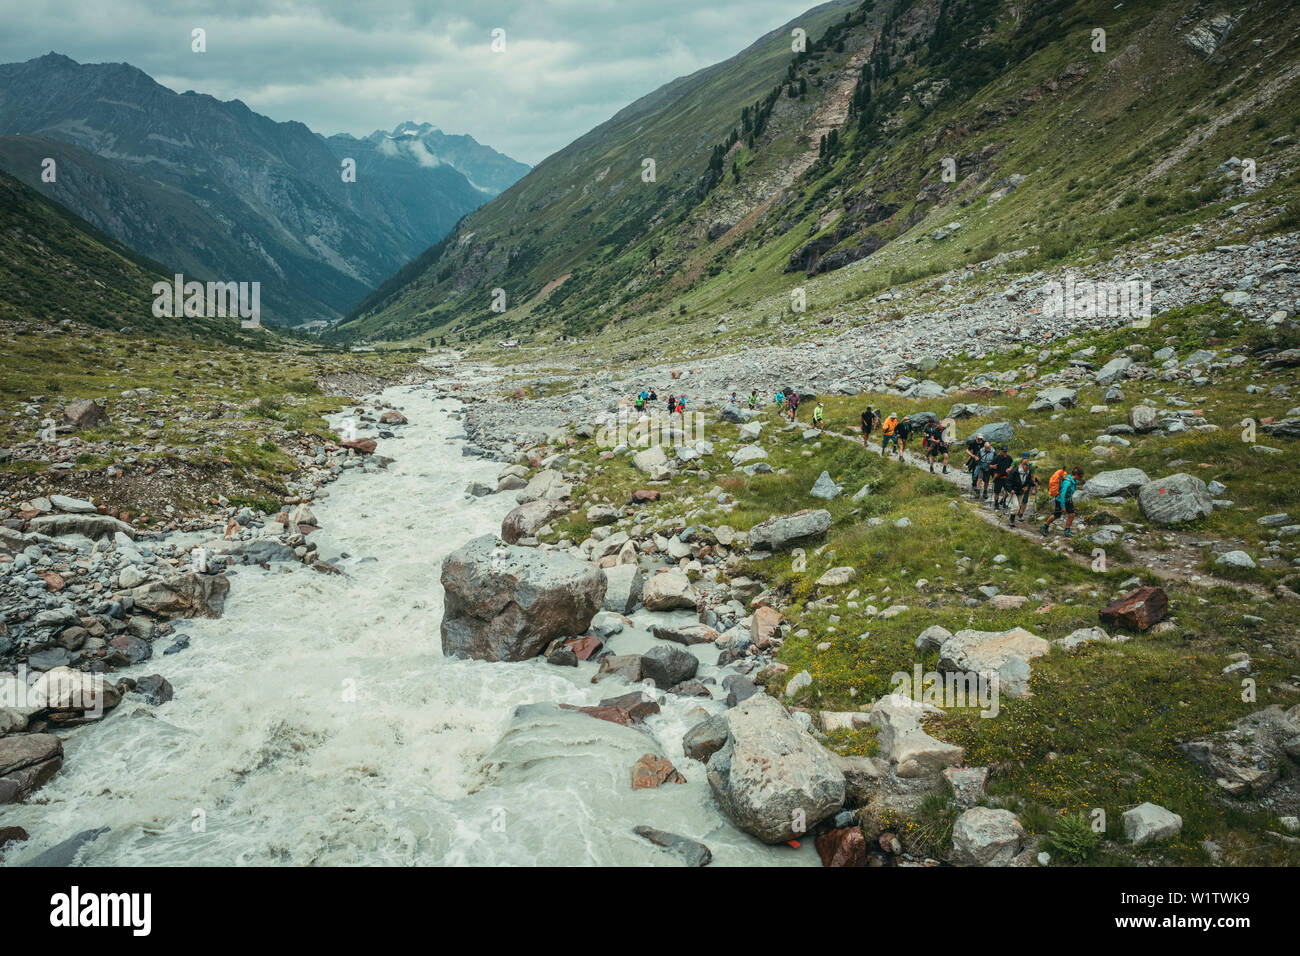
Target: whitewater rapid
(317, 722)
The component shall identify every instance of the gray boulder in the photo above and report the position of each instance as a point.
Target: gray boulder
(999, 433)
(1106, 484)
(825, 488)
(92, 526)
(507, 603)
(1143, 418)
(1113, 370)
(27, 761)
(772, 780)
(1148, 822)
(667, 665)
(524, 521)
(986, 837)
(1054, 399)
(1175, 499)
(787, 531)
(623, 584)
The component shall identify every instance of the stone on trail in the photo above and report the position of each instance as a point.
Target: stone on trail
(669, 591)
(1175, 499)
(508, 603)
(986, 837)
(1148, 822)
(1004, 654)
(825, 488)
(787, 531)
(1137, 610)
(1106, 484)
(770, 778)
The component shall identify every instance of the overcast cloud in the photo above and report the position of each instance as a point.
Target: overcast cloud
(359, 66)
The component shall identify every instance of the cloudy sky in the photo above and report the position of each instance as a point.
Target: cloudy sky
(344, 66)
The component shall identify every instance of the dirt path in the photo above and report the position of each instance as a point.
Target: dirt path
(1057, 543)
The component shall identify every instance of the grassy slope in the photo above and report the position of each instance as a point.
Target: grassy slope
(1101, 728)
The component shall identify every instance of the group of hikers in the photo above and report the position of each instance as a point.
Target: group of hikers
(676, 403)
(1013, 484)
(787, 399)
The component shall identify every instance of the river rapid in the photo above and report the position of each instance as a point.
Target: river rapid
(318, 723)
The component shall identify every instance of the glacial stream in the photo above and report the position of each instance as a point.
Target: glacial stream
(318, 723)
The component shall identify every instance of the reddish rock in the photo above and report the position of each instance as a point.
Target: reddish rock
(636, 705)
(843, 847)
(53, 582)
(584, 647)
(615, 715)
(365, 446)
(763, 625)
(1137, 610)
(12, 835)
(643, 495)
(653, 771)
(519, 393)
(392, 417)
(84, 414)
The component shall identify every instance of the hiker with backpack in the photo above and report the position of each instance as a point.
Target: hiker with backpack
(1061, 487)
(974, 445)
(984, 470)
(903, 433)
(935, 446)
(1003, 465)
(753, 398)
(818, 412)
(1022, 482)
(887, 436)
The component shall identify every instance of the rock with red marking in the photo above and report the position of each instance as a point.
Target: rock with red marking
(1137, 610)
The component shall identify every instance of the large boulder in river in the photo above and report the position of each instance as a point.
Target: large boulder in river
(507, 603)
(27, 761)
(1106, 484)
(770, 778)
(787, 531)
(1175, 499)
(189, 594)
(524, 521)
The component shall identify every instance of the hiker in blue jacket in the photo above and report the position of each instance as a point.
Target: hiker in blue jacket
(1063, 503)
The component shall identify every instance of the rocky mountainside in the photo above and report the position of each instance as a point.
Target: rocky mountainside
(56, 267)
(220, 191)
(910, 138)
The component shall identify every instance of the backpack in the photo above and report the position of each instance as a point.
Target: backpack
(1054, 483)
